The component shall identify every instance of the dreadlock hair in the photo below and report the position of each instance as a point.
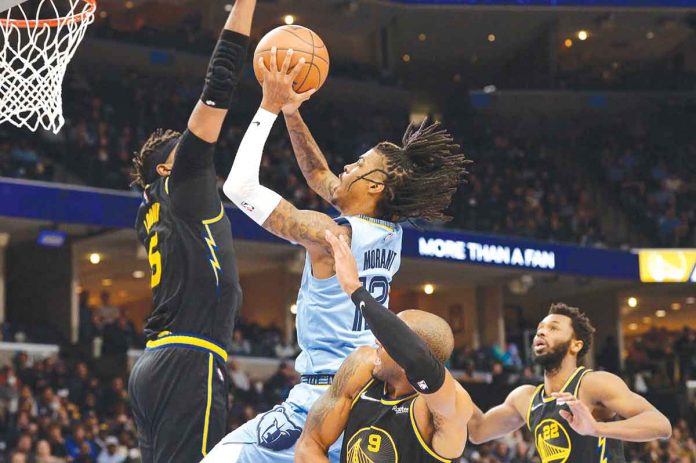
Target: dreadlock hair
(422, 175)
(141, 160)
(582, 327)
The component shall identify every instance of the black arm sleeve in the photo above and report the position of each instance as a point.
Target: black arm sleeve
(424, 371)
(193, 183)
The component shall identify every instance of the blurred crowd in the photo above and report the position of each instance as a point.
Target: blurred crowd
(59, 411)
(660, 359)
(651, 170)
(55, 410)
(521, 183)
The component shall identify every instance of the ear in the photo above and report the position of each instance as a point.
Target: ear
(576, 346)
(164, 170)
(376, 188)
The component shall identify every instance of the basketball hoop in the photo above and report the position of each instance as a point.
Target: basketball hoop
(34, 55)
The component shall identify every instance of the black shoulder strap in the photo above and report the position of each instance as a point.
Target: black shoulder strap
(533, 402)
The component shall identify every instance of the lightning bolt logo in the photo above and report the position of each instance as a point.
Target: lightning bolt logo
(602, 447)
(212, 246)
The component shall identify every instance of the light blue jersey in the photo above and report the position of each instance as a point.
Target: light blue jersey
(329, 327)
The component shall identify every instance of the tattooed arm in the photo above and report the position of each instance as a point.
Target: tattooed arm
(304, 227)
(329, 415)
(263, 205)
(310, 158)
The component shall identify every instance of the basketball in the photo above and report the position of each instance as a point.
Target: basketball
(304, 43)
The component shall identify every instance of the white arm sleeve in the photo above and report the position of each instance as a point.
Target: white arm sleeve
(242, 185)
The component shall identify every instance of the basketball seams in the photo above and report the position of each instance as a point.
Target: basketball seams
(314, 74)
(258, 52)
(289, 30)
(310, 64)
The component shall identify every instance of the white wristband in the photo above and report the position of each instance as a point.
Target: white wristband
(242, 185)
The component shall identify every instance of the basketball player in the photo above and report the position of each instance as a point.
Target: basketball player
(178, 387)
(394, 403)
(384, 186)
(577, 415)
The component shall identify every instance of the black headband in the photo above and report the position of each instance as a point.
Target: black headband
(159, 156)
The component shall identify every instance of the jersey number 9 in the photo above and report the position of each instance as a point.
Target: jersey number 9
(374, 443)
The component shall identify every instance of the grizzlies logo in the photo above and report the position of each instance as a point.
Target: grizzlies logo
(552, 441)
(276, 431)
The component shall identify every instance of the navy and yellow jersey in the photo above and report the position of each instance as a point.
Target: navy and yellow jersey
(383, 430)
(188, 238)
(555, 440)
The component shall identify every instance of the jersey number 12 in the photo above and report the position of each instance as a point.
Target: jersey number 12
(378, 287)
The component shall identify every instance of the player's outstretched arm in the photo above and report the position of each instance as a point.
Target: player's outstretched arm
(642, 421)
(223, 73)
(502, 419)
(450, 410)
(329, 415)
(310, 158)
(448, 403)
(242, 186)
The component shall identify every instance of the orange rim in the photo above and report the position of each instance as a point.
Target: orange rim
(34, 23)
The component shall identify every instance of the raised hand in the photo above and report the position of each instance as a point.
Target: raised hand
(278, 82)
(580, 416)
(346, 267)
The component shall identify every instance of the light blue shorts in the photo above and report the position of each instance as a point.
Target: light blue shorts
(271, 436)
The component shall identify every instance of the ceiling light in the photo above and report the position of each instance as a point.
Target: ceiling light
(428, 289)
(406, 58)
(632, 302)
(582, 35)
(293, 309)
(676, 306)
(491, 37)
(650, 35)
(289, 19)
(422, 37)
(107, 282)
(94, 258)
(228, 7)
(568, 43)
(633, 326)
(138, 274)
(691, 300)
(647, 320)
(660, 313)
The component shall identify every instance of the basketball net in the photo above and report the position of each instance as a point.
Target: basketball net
(34, 55)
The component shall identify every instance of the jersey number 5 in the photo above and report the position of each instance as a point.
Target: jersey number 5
(378, 286)
(155, 259)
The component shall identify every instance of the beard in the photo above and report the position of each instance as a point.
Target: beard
(552, 359)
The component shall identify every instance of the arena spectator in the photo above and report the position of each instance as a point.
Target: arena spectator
(111, 454)
(239, 345)
(106, 311)
(44, 453)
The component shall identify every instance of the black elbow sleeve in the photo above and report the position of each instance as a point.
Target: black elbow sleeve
(224, 69)
(424, 370)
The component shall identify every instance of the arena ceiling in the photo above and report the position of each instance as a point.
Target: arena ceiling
(453, 40)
